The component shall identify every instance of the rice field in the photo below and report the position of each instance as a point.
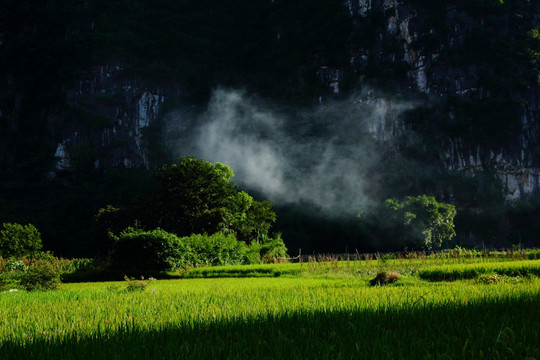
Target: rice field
(471, 271)
(321, 312)
(467, 264)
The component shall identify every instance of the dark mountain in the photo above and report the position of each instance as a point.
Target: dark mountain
(96, 93)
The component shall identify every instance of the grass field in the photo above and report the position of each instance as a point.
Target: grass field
(321, 312)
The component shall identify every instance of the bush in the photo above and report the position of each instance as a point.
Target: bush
(79, 265)
(15, 266)
(136, 285)
(267, 250)
(10, 280)
(19, 240)
(217, 249)
(41, 275)
(139, 252)
(10, 274)
(487, 279)
(143, 252)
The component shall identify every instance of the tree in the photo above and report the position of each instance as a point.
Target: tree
(18, 240)
(195, 197)
(250, 219)
(421, 221)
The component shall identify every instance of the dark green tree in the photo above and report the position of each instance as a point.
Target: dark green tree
(421, 221)
(18, 240)
(195, 197)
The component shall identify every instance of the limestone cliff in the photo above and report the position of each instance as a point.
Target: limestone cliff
(470, 65)
(455, 54)
(119, 111)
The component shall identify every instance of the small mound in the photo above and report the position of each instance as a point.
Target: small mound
(385, 277)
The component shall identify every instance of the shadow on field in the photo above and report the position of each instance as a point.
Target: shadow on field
(102, 275)
(92, 275)
(497, 330)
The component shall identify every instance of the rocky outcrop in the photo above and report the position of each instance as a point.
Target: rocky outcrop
(406, 34)
(110, 115)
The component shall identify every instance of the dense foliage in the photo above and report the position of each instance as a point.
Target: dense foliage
(138, 252)
(195, 197)
(421, 221)
(31, 274)
(18, 240)
(43, 274)
(217, 249)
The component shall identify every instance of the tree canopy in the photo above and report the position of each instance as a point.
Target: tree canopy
(18, 240)
(195, 197)
(421, 221)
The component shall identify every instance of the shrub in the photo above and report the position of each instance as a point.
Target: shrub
(19, 240)
(143, 252)
(41, 275)
(10, 274)
(10, 280)
(253, 253)
(217, 249)
(270, 250)
(78, 265)
(385, 277)
(136, 285)
(491, 279)
(15, 266)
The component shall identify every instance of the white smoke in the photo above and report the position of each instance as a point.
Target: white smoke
(283, 156)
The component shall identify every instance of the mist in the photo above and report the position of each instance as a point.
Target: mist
(324, 156)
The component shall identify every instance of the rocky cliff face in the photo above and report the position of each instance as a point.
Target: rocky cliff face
(433, 44)
(469, 65)
(443, 98)
(116, 112)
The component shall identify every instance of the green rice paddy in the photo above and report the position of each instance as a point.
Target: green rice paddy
(326, 311)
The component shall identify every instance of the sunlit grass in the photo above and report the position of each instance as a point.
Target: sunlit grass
(338, 316)
(321, 308)
(367, 264)
(470, 271)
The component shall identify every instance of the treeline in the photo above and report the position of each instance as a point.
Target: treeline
(75, 216)
(195, 217)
